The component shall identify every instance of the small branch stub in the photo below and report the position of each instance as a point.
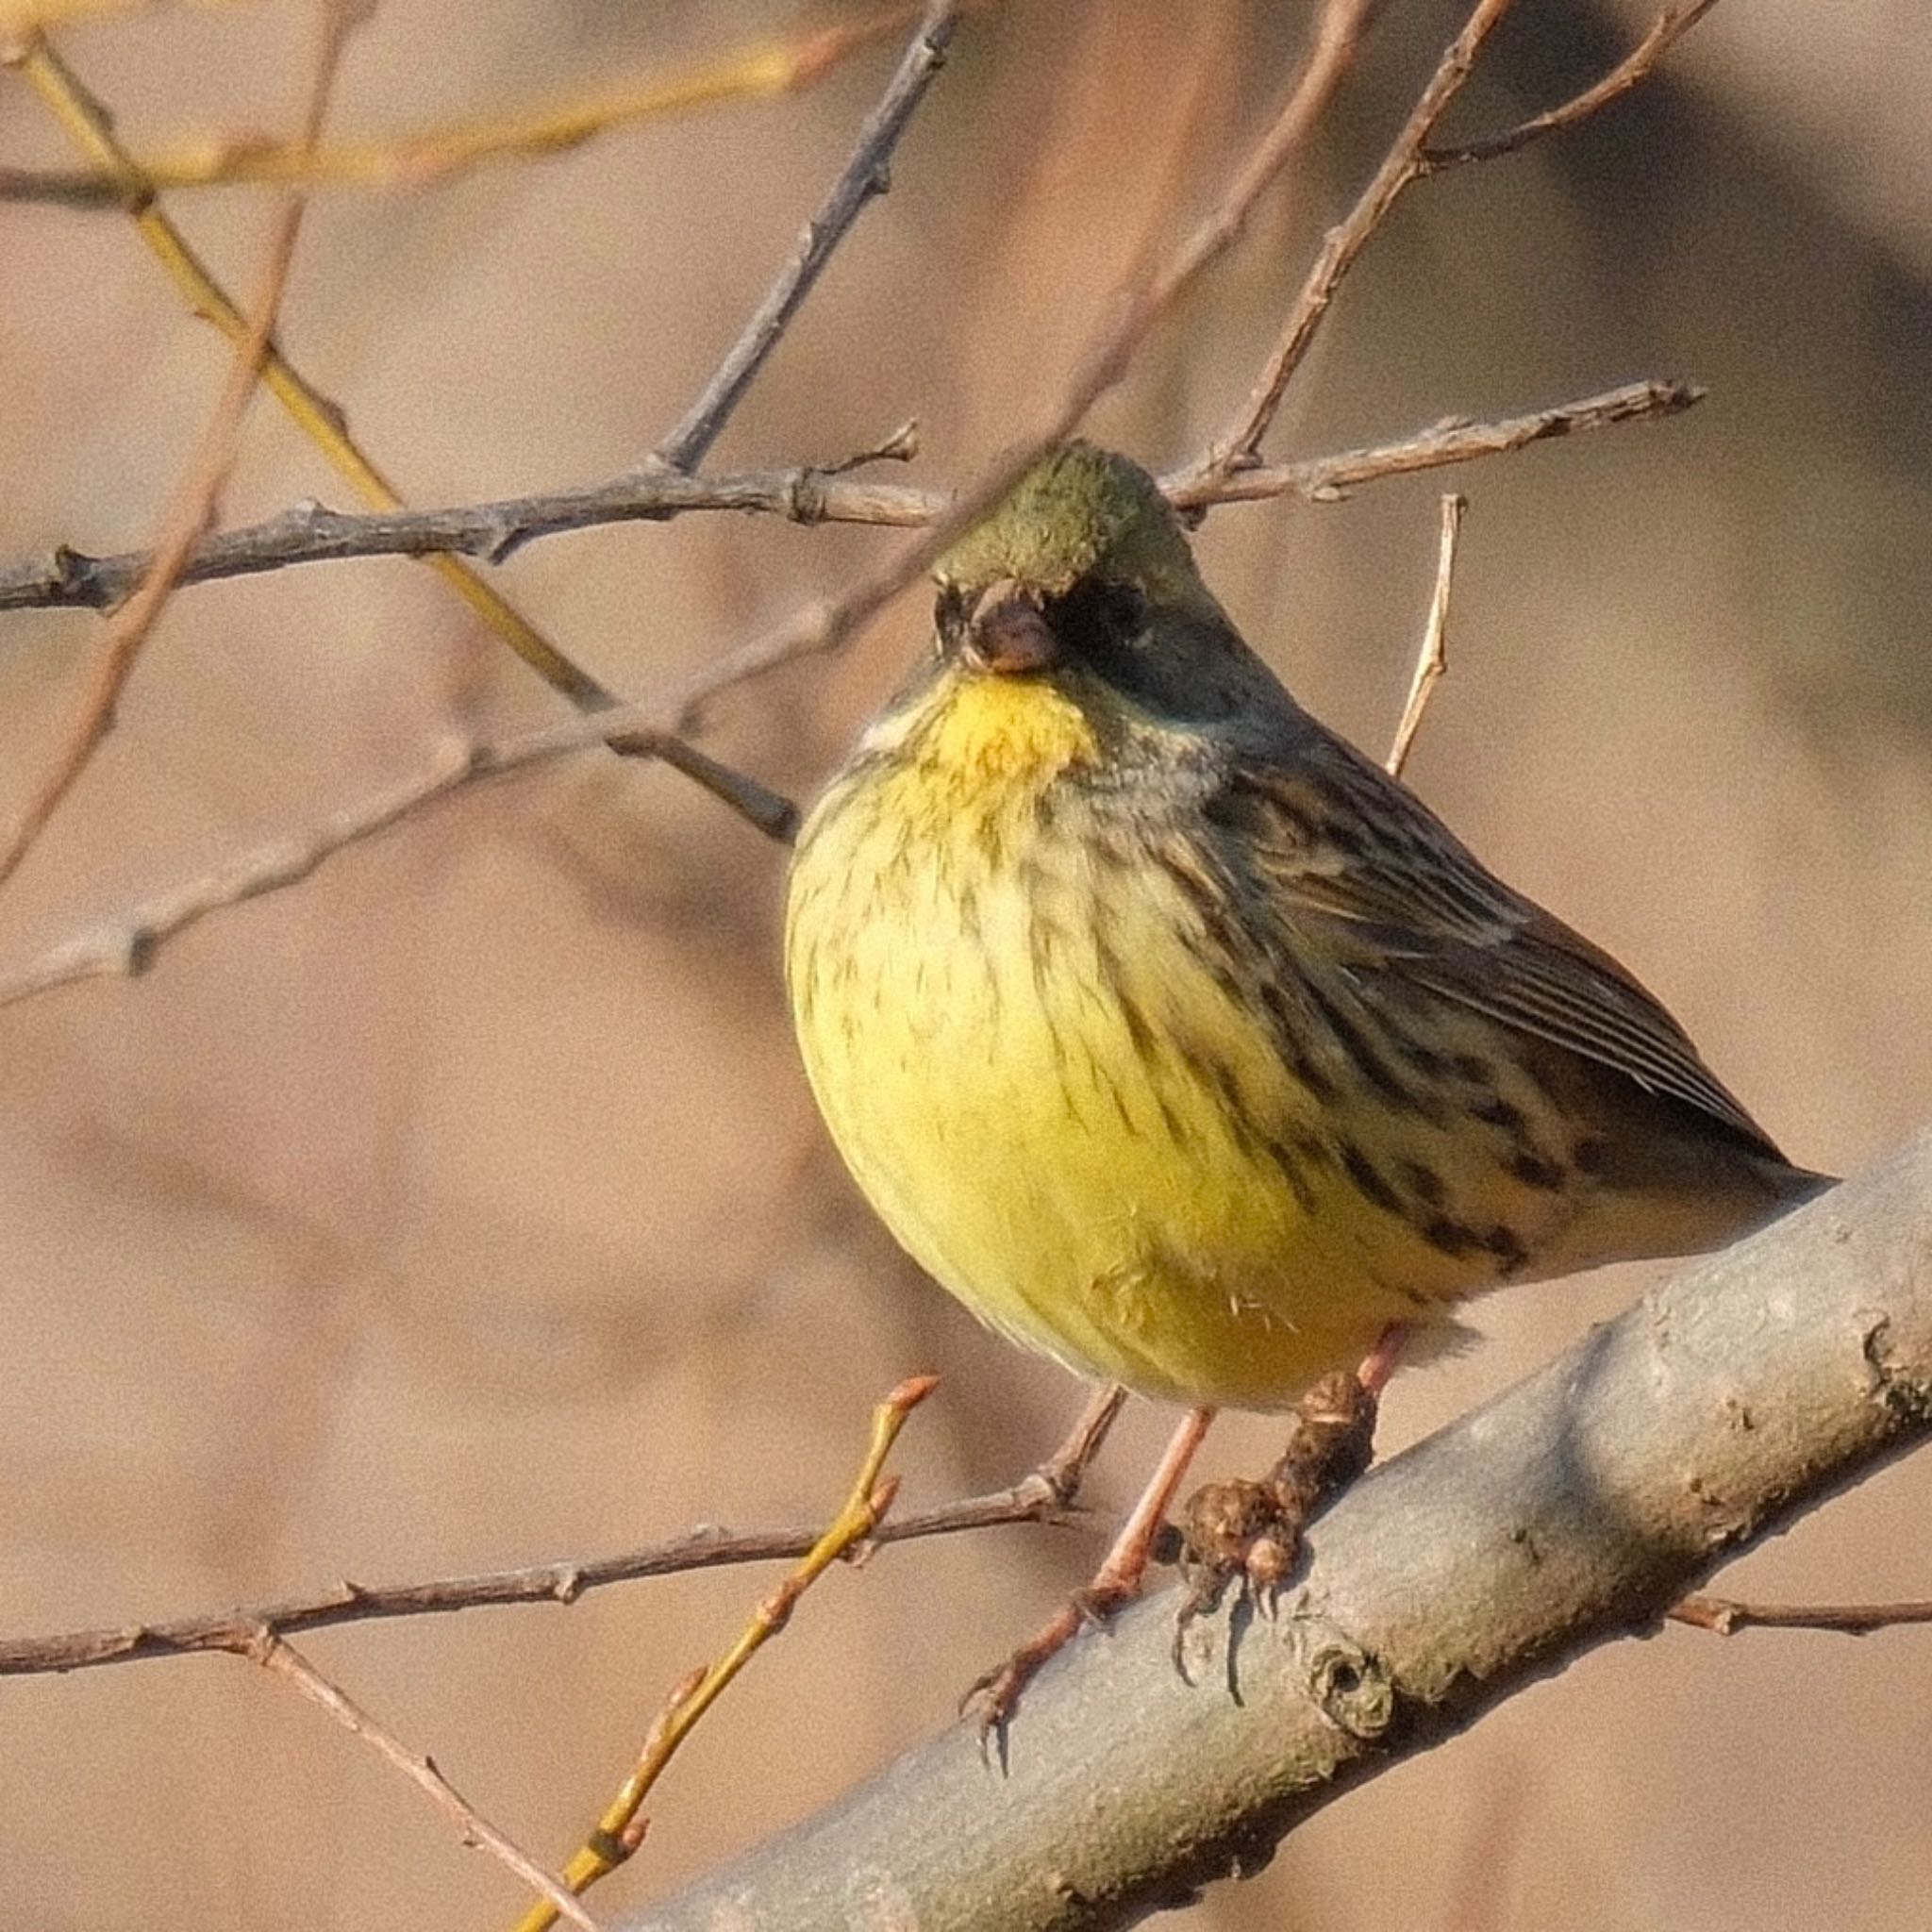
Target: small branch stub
(1432, 660)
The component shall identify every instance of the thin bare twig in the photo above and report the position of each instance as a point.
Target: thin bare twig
(197, 491)
(1065, 1469)
(1047, 1494)
(1431, 659)
(308, 533)
(620, 1829)
(1455, 440)
(126, 944)
(823, 626)
(1628, 73)
(1402, 164)
(278, 1657)
(867, 173)
(1411, 158)
(1725, 1616)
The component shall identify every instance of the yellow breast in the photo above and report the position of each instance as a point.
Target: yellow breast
(1053, 1101)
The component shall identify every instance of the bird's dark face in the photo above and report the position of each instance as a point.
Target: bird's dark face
(1081, 582)
(1010, 628)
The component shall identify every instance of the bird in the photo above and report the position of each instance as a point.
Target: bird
(1181, 1041)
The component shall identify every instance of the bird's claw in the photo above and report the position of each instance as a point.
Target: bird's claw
(1250, 1532)
(992, 1698)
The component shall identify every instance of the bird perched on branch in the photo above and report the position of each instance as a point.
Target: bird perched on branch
(1174, 1037)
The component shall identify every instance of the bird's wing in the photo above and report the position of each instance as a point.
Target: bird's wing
(1360, 867)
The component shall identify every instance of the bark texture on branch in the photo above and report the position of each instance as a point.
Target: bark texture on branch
(1573, 1509)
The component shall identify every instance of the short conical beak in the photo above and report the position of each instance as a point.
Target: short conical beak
(1007, 633)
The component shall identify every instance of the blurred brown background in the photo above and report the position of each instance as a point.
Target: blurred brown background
(465, 1206)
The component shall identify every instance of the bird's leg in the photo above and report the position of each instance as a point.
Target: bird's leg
(1118, 1580)
(1381, 1363)
(1253, 1530)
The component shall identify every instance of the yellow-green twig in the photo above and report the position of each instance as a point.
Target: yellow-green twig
(314, 414)
(196, 494)
(321, 420)
(768, 68)
(621, 1829)
(23, 16)
(778, 66)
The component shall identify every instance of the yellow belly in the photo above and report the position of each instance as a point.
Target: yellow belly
(1068, 1119)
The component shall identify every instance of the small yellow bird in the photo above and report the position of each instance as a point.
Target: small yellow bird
(1174, 1037)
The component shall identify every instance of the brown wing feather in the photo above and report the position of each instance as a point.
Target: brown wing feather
(1362, 867)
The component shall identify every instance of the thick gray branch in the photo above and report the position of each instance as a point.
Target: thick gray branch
(1574, 1508)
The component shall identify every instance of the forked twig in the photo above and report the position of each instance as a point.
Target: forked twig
(1629, 73)
(1402, 164)
(1408, 160)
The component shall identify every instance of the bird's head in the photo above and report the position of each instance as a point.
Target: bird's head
(1082, 577)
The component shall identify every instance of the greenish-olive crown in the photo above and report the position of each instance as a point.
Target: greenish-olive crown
(1080, 512)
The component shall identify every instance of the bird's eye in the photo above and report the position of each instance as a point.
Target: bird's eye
(1098, 617)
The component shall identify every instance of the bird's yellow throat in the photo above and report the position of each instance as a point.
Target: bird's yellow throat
(988, 730)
